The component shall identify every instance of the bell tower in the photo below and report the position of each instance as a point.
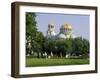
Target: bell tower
(50, 31)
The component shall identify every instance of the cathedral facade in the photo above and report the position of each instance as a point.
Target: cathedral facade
(65, 32)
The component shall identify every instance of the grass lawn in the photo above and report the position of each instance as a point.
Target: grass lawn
(33, 62)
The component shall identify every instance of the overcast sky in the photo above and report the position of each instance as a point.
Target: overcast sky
(79, 23)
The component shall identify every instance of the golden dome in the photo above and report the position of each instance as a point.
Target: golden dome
(66, 26)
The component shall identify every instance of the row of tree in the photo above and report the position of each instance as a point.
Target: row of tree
(61, 48)
(37, 43)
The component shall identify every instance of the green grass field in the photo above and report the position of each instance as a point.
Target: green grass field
(33, 62)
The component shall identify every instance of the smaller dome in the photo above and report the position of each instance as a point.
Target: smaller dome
(74, 36)
(61, 36)
(66, 26)
(53, 33)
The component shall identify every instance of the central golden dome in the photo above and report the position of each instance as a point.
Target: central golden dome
(66, 26)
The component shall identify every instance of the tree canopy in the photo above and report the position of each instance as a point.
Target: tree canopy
(33, 36)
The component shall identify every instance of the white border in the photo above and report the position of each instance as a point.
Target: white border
(68, 68)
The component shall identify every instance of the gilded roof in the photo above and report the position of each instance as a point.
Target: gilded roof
(67, 26)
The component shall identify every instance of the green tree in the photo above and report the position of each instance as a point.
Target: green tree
(61, 48)
(86, 48)
(30, 25)
(30, 31)
(33, 36)
(68, 46)
(77, 46)
(80, 46)
(38, 42)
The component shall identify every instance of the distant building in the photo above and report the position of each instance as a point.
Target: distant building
(65, 32)
(50, 31)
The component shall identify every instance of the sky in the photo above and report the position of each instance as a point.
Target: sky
(80, 23)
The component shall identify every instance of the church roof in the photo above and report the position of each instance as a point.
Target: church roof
(66, 26)
(61, 36)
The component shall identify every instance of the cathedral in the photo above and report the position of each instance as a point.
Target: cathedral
(65, 32)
